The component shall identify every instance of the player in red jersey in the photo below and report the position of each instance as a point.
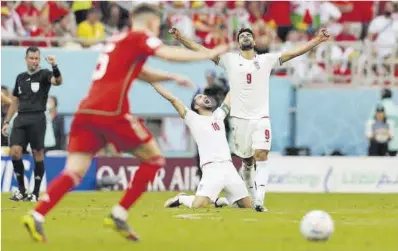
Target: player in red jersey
(104, 116)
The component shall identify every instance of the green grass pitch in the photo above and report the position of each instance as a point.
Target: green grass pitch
(363, 222)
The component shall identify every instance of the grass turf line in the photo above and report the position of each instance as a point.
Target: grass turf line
(366, 222)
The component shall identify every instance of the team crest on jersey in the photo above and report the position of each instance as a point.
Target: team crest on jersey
(257, 65)
(35, 86)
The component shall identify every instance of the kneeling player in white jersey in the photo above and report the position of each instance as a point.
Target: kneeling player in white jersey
(219, 173)
(248, 75)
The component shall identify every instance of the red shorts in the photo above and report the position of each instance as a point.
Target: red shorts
(90, 133)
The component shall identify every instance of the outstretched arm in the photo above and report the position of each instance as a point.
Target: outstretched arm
(190, 44)
(152, 76)
(177, 54)
(177, 103)
(322, 36)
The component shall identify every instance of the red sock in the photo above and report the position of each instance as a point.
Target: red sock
(56, 190)
(142, 177)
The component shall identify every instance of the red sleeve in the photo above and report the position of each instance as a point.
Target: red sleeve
(21, 10)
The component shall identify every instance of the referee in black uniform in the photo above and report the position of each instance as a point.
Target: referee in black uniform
(30, 98)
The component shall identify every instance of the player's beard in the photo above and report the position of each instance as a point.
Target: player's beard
(247, 46)
(207, 107)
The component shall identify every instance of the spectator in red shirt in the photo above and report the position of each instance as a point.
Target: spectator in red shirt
(347, 52)
(279, 11)
(216, 37)
(206, 22)
(264, 33)
(360, 12)
(44, 29)
(29, 14)
(54, 10)
(345, 34)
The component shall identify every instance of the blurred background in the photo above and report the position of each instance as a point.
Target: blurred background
(339, 99)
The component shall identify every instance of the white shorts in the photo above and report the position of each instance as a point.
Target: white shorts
(221, 176)
(249, 135)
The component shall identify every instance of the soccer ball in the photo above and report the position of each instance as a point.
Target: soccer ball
(317, 226)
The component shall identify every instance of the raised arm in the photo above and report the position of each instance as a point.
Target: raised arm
(190, 44)
(56, 79)
(178, 104)
(322, 36)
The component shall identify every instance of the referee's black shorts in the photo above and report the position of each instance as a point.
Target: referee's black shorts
(29, 128)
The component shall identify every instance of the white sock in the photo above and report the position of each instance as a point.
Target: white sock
(261, 180)
(38, 216)
(248, 175)
(221, 202)
(119, 212)
(186, 200)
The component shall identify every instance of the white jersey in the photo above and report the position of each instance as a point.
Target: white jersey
(249, 83)
(209, 134)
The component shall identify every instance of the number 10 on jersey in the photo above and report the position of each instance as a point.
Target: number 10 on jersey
(216, 127)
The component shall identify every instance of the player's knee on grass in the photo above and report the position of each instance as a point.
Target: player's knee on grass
(261, 155)
(244, 203)
(200, 201)
(38, 155)
(16, 152)
(248, 161)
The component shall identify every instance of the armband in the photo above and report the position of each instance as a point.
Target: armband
(56, 71)
(225, 108)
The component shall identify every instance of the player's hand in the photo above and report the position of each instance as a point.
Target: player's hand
(4, 130)
(175, 32)
(219, 50)
(323, 35)
(183, 82)
(51, 60)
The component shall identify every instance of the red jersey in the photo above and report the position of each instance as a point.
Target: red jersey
(55, 11)
(118, 66)
(26, 9)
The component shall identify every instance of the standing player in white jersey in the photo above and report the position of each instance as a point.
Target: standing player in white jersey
(219, 173)
(248, 75)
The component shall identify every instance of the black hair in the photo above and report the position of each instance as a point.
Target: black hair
(3, 87)
(193, 105)
(55, 100)
(146, 9)
(32, 49)
(386, 93)
(380, 108)
(93, 10)
(242, 31)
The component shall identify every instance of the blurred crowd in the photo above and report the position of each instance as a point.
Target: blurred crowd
(277, 25)
(210, 22)
(88, 21)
